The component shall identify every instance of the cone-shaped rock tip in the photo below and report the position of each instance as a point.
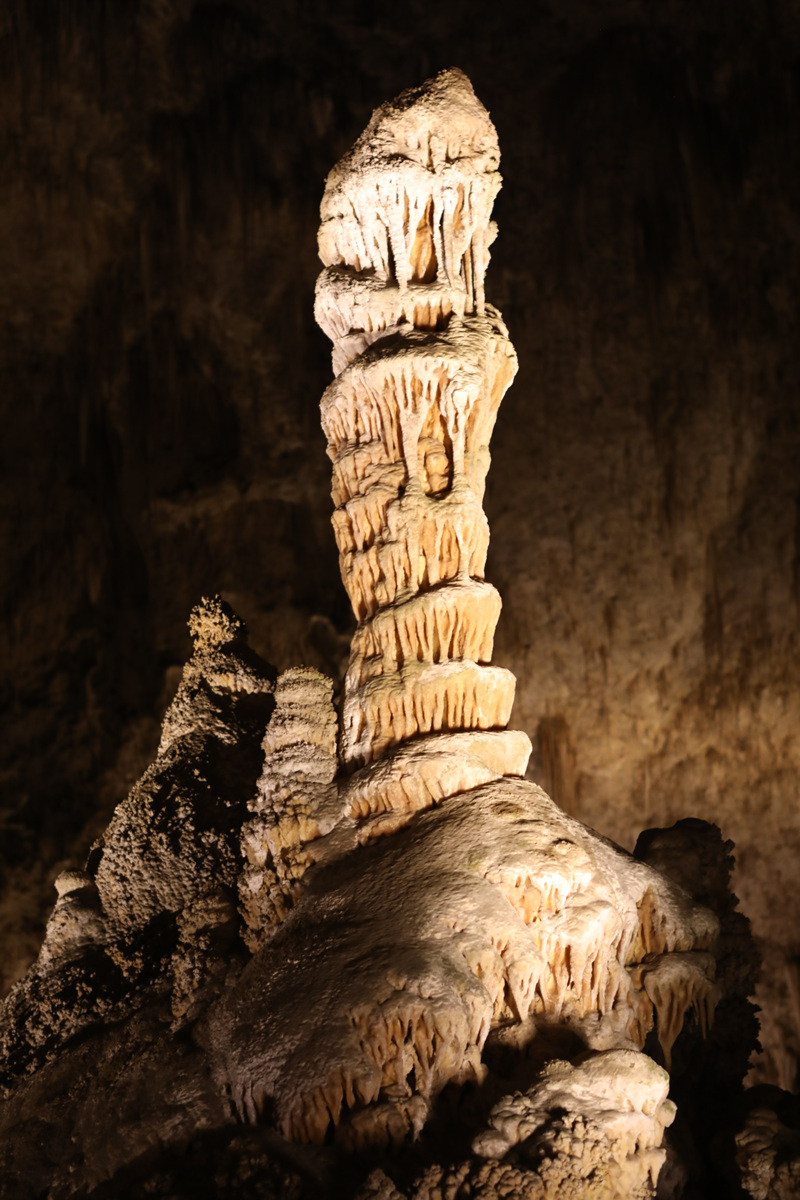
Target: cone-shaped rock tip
(214, 623)
(439, 122)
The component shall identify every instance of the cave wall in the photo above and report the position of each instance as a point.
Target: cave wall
(161, 371)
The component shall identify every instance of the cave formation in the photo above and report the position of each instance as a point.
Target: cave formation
(217, 855)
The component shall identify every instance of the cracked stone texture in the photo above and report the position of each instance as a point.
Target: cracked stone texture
(161, 372)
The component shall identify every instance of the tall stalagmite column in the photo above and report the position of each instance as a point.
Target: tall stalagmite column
(422, 364)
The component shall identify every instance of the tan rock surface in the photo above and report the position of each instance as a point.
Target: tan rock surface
(409, 949)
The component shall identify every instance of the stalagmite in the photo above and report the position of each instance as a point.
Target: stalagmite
(422, 364)
(436, 894)
(295, 796)
(607, 1115)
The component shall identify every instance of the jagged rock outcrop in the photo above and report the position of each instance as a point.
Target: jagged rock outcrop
(156, 908)
(176, 836)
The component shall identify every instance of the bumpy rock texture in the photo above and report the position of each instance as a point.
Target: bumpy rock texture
(591, 1130)
(156, 909)
(507, 907)
(365, 935)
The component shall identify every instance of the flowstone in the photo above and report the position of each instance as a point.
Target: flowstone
(336, 922)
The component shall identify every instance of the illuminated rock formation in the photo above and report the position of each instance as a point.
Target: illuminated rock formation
(590, 1131)
(493, 908)
(450, 899)
(155, 911)
(422, 364)
(296, 799)
(321, 923)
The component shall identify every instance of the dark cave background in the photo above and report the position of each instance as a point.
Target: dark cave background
(160, 375)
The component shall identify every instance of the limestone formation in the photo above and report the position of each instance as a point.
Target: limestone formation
(481, 905)
(411, 949)
(175, 840)
(328, 925)
(590, 1130)
(422, 364)
(586, 1131)
(768, 1147)
(296, 800)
